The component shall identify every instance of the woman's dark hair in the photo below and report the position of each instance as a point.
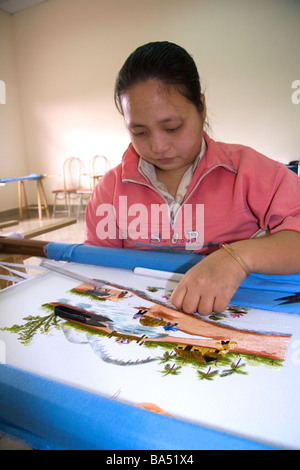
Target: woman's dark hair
(162, 61)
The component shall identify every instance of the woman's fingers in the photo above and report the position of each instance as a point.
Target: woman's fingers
(209, 286)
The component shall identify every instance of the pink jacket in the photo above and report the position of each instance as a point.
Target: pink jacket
(234, 193)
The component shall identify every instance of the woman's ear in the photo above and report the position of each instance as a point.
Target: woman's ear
(203, 114)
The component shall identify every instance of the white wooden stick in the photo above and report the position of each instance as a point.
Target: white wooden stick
(158, 274)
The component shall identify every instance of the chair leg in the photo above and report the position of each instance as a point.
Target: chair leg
(39, 202)
(68, 204)
(22, 196)
(20, 200)
(79, 206)
(67, 198)
(25, 200)
(54, 206)
(43, 197)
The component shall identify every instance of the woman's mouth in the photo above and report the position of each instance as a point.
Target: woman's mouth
(165, 160)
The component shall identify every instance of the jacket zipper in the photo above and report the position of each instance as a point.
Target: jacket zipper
(171, 215)
(172, 218)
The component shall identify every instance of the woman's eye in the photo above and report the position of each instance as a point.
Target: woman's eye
(173, 129)
(138, 134)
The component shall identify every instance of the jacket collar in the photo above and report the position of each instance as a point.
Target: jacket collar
(130, 162)
(216, 155)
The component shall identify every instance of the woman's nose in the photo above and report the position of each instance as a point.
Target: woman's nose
(159, 144)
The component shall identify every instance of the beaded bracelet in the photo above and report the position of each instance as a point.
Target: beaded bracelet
(237, 258)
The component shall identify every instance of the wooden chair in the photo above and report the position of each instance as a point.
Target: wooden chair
(98, 166)
(73, 180)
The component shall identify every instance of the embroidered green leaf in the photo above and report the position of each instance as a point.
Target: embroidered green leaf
(171, 370)
(167, 357)
(234, 369)
(209, 375)
(34, 325)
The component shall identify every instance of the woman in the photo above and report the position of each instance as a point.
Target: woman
(178, 189)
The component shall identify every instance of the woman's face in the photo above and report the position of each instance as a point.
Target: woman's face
(165, 127)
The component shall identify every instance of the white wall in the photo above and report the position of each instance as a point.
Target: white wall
(69, 52)
(12, 149)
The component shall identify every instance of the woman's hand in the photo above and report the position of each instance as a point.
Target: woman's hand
(209, 285)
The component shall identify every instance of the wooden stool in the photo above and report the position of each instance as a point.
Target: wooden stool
(41, 199)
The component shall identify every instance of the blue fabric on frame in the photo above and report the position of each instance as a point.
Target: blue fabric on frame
(32, 176)
(286, 283)
(122, 257)
(73, 419)
(270, 292)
